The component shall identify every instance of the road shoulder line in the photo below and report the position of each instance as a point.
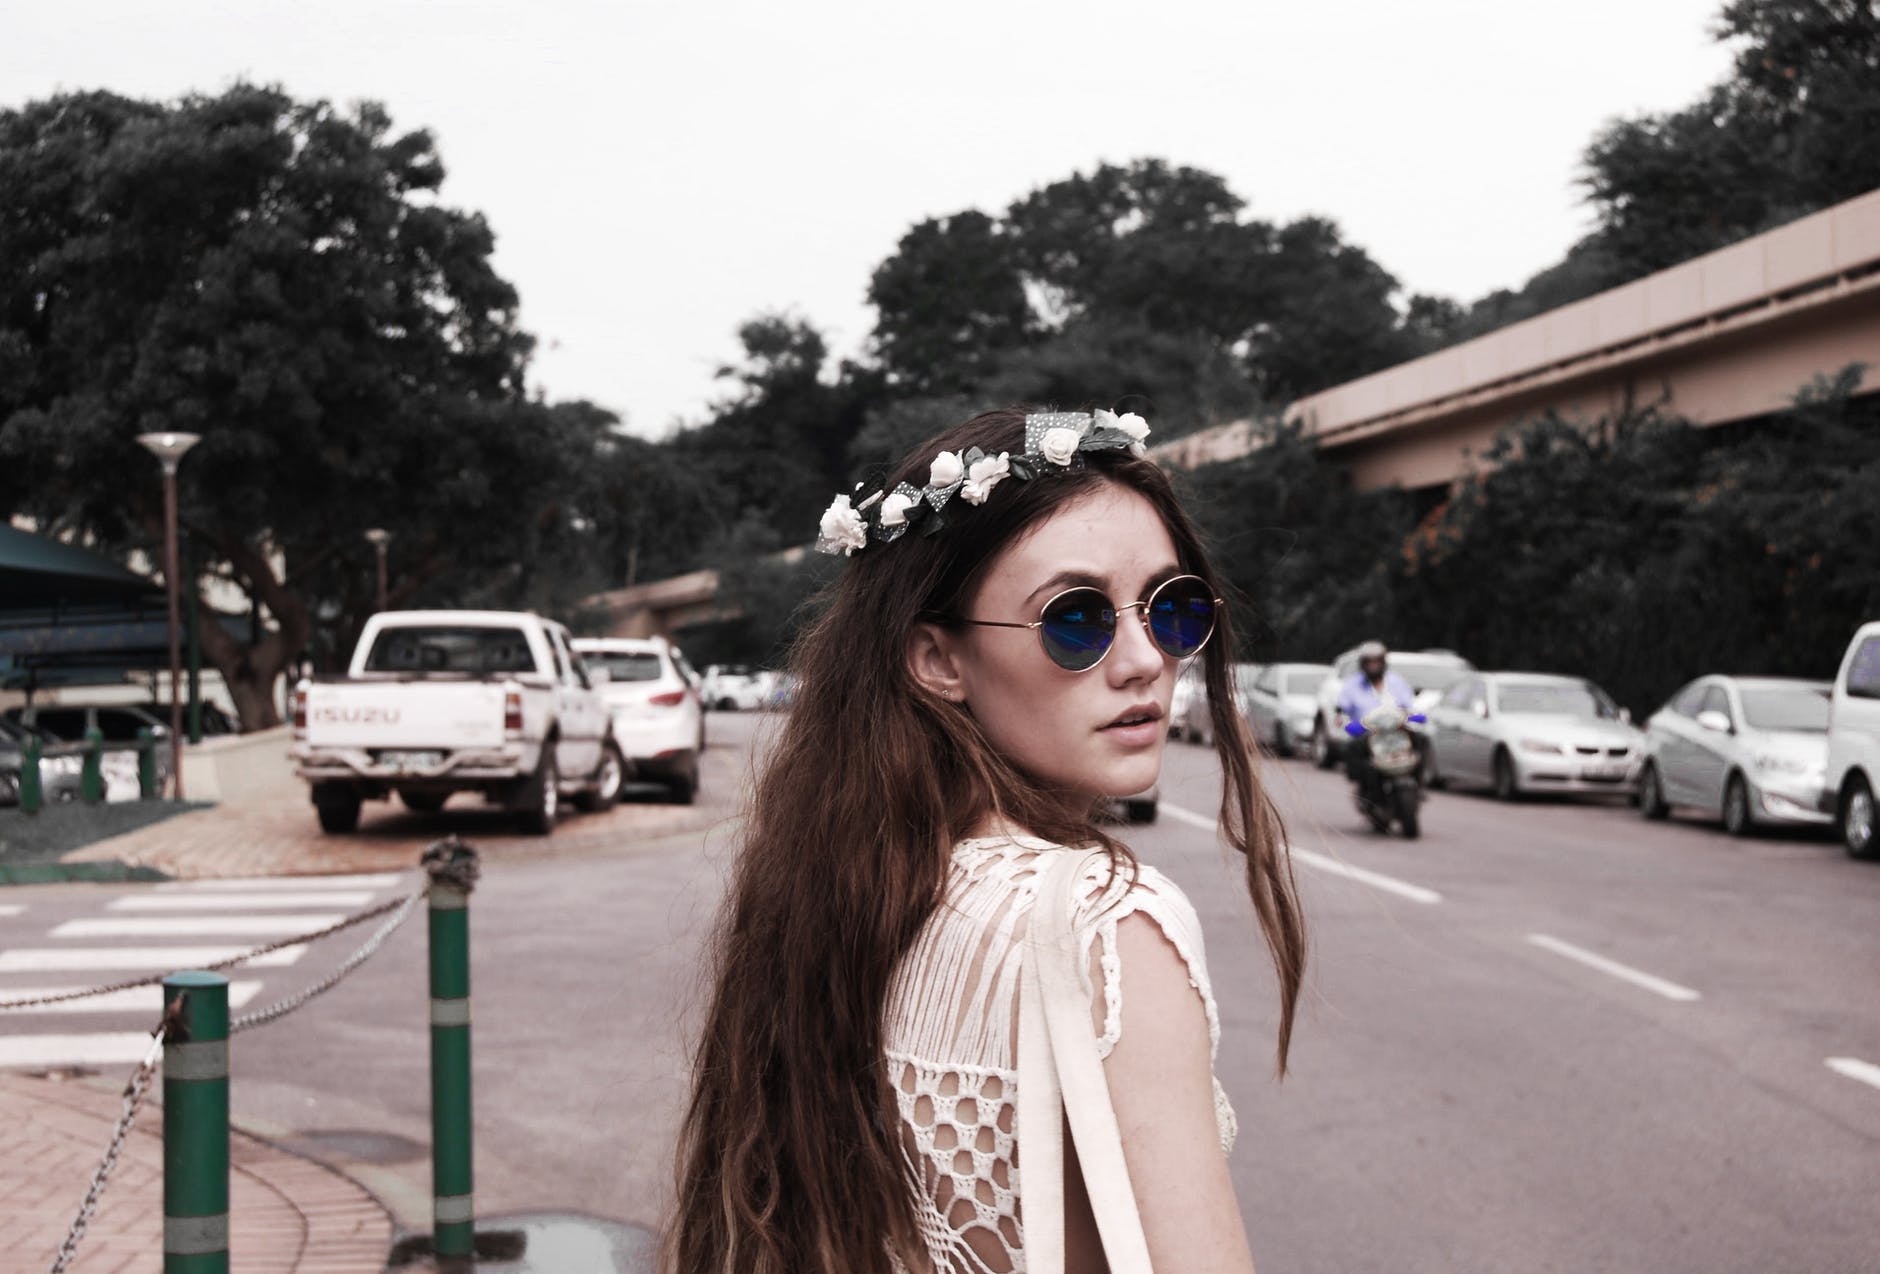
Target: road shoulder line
(1331, 866)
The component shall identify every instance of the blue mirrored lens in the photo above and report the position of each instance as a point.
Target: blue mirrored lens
(1181, 616)
(1078, 627)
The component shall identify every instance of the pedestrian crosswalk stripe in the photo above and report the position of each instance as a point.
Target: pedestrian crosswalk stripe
(102, 1048)
(236, 901)
(135, 999)
(373, 880)
(146, 959)
(193, 926)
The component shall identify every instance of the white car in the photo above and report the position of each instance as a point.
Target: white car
(1187, 686)
(734, 688)
(655, 713)
(1518, 732)
(1853, 774)
(1282, 703)
(1198, 721)
(1753, 750)
(1429, 673)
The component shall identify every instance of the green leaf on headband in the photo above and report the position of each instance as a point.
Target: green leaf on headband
(918, 510)
(935, 524)
(972, 454)
(1105, 440)
(1021, 469)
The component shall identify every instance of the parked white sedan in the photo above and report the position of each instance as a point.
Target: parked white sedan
(1281, 704)
(1754, 750)
(1518, 732)
(653, 709)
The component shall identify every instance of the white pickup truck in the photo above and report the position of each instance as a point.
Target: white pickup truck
(445, 701)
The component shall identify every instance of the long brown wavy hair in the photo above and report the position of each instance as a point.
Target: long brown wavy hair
(790, 1155)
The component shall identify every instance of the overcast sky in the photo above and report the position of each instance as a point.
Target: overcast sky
(656, 173)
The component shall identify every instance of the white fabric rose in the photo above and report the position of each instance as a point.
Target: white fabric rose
(1059, 445)
(843, 528)
(986, 473)
(894, 508)
(1132, 424)
(947, 469)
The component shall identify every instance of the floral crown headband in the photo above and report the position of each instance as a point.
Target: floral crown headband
(1052, 441)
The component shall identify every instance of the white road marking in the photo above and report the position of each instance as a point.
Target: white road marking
(1625, 973)
(193, 926)
(105, 1048)
(11, 908)
(237, 901)
(134, 1000)
(144, 959)
(1331, 866)
(1854, 1068)
(378, 880)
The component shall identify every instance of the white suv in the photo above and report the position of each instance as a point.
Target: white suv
(1853, 775)
(653, 705)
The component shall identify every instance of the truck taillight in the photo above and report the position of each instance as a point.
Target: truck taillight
(300, 710)
(669, 699)
(512, 712)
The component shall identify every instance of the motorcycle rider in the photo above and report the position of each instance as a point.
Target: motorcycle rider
(1372, 684)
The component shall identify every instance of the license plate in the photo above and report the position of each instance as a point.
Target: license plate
(411, 760)
(1605, 773)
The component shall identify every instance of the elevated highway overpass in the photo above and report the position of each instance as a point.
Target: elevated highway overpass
(1728, 336)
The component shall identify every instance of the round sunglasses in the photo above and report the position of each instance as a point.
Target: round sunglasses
(1078, 626)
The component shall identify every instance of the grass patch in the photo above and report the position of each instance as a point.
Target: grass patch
(56, 830)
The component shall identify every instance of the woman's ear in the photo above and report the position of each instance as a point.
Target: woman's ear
(933, 660)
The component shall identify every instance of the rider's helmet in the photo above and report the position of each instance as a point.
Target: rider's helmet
(1373, 658)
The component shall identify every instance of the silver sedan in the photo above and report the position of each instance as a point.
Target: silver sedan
(1281, 705)
(1518, 732)
(1752, 749)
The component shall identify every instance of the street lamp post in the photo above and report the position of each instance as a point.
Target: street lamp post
(380, 538)
(168, 448)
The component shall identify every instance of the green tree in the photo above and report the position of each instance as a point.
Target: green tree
(281, 278)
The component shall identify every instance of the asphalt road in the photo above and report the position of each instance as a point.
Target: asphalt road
(1471, 1088)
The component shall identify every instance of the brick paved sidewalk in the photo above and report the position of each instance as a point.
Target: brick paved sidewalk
(266, 827)
(285, 1213)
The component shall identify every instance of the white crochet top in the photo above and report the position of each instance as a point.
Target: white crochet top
(952, 1037)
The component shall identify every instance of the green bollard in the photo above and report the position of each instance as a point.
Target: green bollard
(195, 1126)
(453, 1215)
(32, 790)
(146, 765)
(91, 780)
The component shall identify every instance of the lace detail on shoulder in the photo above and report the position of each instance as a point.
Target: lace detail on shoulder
(951, 1032)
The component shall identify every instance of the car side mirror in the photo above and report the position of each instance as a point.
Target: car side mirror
(1714, 721)
(1625, 716)
(1480, 709)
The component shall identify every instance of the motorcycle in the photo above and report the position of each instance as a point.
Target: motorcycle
(1390, 786)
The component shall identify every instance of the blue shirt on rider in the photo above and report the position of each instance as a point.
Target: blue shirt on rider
(1359, 696)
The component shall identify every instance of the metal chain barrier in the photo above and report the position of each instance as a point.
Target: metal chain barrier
(360, 918)
(134, 1093)
(331, 980)
(442, 861)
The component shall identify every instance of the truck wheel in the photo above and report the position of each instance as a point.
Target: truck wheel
(338, 808)
(608, 780)
(1857, 821)
(541, 796)
(424, 802)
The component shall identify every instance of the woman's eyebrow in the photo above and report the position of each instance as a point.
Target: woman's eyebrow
(1086, 579)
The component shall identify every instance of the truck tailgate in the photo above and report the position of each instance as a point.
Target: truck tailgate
(405, 714)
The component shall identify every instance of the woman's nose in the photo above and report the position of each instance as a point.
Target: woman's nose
(1136, 654)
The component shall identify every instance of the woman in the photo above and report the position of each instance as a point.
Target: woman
(966, 707)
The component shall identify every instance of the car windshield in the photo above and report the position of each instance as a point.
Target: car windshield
(1788, 708)
(626, 665)
(474, 651)
(1303, 683)
(1422, 676)
(1557, 699)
